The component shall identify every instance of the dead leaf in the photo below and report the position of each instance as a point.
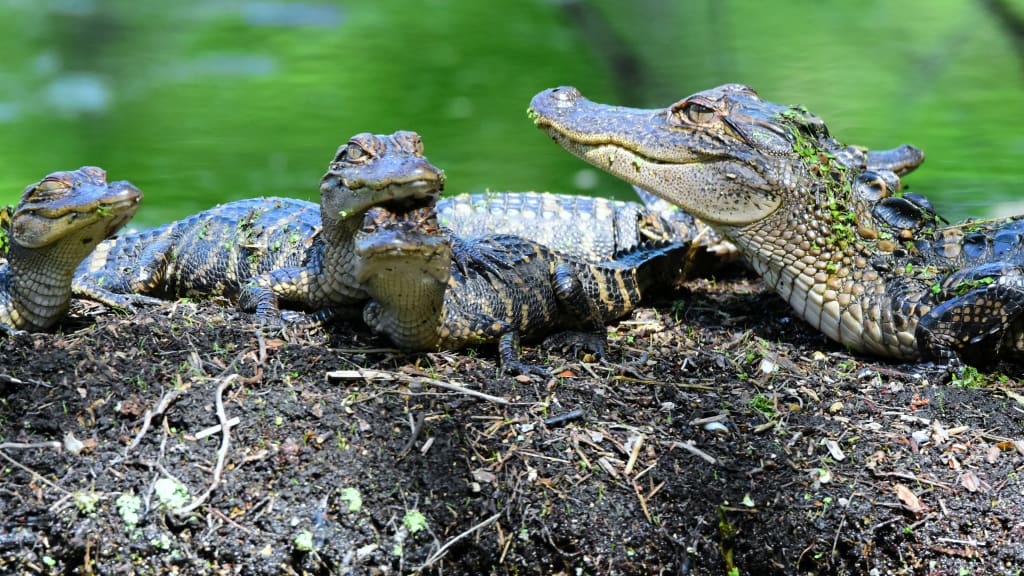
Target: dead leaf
(970, 481)
(910, 500)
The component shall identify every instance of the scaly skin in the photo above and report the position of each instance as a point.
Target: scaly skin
(58, 221)
(269, 250)
(585, 227)
(822, 223)
(422, 298)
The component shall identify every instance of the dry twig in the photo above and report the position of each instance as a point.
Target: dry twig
(222, 452)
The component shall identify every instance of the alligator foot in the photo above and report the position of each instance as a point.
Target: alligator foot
(970, 328)
(13, 332)
(577, 342)
(126, 302)
(508, 349)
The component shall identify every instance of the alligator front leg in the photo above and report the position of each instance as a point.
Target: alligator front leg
(971, 327)
(579, 306)
(261, 294)
(126, 287)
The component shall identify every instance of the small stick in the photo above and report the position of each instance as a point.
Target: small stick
(381, 375)
(147, 418)
(563, 418)
(444, 549)
(222, 452)
(23, 445)
(689, 447)
(33, 473)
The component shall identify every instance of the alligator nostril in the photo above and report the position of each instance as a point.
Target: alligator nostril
(566, 94)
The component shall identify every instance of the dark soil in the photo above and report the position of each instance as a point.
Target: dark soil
(720, 436)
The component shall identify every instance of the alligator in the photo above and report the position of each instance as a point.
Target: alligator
(422, 299)
(57, 222)
(586, 227)
(266, 251)
(873, 268)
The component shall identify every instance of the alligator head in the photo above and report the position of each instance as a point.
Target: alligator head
(77, 208)
(404, 262)
(378, 170)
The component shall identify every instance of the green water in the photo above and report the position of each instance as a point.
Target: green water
(200, 102)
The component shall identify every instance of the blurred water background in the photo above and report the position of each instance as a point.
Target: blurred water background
(203, 101)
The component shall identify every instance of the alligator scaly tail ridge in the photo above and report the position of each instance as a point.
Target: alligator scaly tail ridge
(826, 225)
(58, 221)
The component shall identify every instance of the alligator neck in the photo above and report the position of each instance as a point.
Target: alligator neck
(824, 266)
(336, 277)
(39, 281)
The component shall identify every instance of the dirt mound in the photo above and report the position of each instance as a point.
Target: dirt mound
(722, 434)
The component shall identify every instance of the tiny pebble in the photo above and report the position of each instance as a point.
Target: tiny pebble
(921, 436)
(716, 427)
(865, 373)
(72, 444)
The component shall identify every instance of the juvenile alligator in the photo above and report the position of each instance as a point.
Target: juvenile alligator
(874, 270)
(268, 250)
(57, 222)
(585, 227)
(422, 300)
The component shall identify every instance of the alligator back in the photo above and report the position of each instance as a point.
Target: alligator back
(584, 227)
(540, 289)
(210, 253)
(974, 242)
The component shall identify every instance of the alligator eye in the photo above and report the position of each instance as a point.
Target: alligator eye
(51, 184)
(698, 113)
(354, 153)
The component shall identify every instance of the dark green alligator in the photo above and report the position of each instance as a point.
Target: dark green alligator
(58, 221)
(423, 299)
(873, 269)
(269, 250)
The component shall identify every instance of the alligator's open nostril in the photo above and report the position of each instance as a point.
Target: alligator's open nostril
(566, 94)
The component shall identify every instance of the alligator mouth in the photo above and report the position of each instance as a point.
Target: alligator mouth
(408, 196)
(401, 243)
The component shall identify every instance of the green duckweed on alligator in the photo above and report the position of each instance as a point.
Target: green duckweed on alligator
(814, 220)
(267, 250)
(57, 222)
(423, 299)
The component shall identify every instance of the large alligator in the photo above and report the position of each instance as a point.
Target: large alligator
(422, 299)
(268, 250)
(814, 220)
(57, 222)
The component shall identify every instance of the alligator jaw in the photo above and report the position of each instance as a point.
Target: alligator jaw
(688, 167)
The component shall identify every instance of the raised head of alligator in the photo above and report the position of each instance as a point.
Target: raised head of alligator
(824, 224)
(268, 251)
(426, 293)
(58, 221)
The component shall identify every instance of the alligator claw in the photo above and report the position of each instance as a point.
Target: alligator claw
(13, 332)
(517, 367)
(577, 342)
